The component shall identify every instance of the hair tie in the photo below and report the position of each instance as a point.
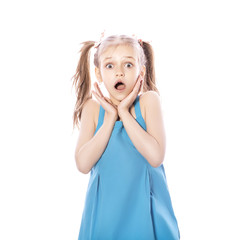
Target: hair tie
(96, 45)
(140, 42)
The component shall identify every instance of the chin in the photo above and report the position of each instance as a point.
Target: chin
(121, 96)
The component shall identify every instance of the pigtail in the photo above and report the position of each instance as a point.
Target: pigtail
(82, 81)
(150, 81)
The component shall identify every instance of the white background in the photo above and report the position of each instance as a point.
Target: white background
(197, 59)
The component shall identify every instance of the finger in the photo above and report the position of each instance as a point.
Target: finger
(99, 98)
(109, 100)
(139, 79)
(98, 89)
(106, 99)
(138, 84)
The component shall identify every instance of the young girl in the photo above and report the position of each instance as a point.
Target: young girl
(122, 142)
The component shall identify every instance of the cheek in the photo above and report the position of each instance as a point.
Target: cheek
(133, 74)
(106, 74)
(136, 76)
(137, 72)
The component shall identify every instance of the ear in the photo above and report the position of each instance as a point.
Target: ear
(143, 71)
(98, 74)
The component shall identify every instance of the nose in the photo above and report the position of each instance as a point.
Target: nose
(119, 72)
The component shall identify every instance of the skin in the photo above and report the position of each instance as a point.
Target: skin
(119, 67)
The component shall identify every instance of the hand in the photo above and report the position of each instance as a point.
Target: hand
(105, 102)
(127, 102)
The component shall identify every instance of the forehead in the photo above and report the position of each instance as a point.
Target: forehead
(119, 52)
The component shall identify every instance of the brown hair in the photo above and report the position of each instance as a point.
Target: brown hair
(82, 79)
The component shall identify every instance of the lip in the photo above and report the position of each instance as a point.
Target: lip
(120, 90)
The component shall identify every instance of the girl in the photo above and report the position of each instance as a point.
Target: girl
(122, 142)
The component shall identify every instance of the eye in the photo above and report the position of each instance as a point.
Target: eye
(108, 65)
(129, 63)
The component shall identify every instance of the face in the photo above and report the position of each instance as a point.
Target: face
(119, 63)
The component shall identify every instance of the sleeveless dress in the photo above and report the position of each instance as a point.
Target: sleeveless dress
(127, 198)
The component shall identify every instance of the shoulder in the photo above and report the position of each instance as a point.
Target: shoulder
(145, 99)
(149, 98)
(91, 107)
(94, 108)
(152, 106)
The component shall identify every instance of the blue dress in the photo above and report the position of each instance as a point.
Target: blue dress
(127, 198)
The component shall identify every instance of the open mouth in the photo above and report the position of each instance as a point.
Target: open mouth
(120, 86)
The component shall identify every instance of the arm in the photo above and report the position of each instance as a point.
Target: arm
(90, 148)
(90, 152)
(150, 143)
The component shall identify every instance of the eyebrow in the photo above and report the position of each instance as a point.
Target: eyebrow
(122, 57)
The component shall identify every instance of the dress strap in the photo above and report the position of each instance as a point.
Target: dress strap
(137, 107)
(100, 117)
